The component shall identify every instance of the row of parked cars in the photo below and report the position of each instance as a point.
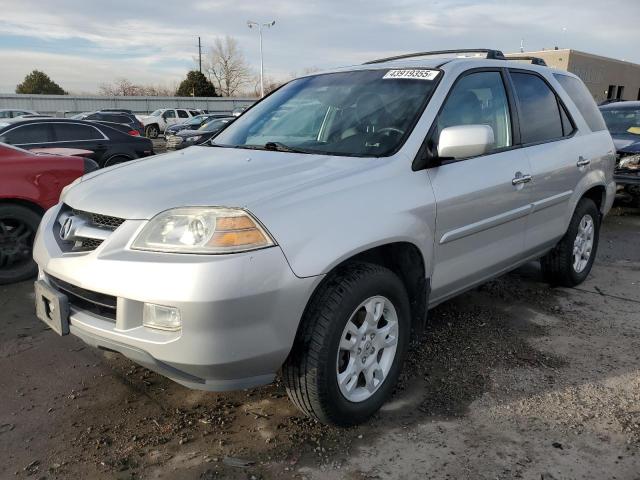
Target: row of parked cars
(41, 154)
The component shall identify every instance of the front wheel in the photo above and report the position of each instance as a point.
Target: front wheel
(570, 261)
(351, 345)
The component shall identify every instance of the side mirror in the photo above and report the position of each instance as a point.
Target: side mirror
(465, 141)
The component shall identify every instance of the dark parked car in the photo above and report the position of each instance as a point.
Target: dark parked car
(623, 122)
(193, 123)
(109, 145)
(30, 184)
(201, 136)
(123, 118)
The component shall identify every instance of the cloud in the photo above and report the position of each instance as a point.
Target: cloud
(156, 41)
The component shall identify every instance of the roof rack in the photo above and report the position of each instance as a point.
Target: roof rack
(489, 54)
(533, 60)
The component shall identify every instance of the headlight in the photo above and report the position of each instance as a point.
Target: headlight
(193, 139)
(202, 230)
(68, 187)
(631, 162)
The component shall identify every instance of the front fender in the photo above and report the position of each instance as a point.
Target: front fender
(320, 228)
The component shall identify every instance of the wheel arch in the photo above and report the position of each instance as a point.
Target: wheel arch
(597, 193)
(404, 259)
(34, 207)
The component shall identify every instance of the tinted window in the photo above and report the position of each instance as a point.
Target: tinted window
(110, 117)
(5, 114)
(183, 114)
(583, 100)
(478, 99)
(66, 132)
(169, 114)
(194, 113)
(35, 133)
(539, 110)
(567, 126)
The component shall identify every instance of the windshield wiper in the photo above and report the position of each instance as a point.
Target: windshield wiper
(281, 147)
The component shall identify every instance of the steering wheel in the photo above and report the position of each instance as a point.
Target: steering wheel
(390, 129)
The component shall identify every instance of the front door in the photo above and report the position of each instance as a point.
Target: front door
(482, 202)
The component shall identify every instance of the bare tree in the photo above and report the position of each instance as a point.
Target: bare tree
(227, 67)
(119, 88)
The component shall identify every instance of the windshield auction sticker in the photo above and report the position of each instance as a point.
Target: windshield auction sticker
(413, 74)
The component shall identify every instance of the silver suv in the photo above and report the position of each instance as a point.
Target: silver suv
(317, 231)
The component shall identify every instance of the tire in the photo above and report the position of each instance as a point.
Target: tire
(313, 367)
(151, 131)
(559, 265)
(18, 226)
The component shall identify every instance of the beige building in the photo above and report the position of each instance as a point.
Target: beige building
(606, 78)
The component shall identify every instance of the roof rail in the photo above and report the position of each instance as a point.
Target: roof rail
(533, 60)
(489, 54)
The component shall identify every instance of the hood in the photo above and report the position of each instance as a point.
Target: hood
(627, 143)
(204, 176)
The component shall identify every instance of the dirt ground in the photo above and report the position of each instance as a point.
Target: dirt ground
(512, 380)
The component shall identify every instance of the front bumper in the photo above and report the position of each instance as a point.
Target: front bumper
(239, 312)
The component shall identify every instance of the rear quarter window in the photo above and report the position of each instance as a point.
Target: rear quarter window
(585, 103)
(68, 132)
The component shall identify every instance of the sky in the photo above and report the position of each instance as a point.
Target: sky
(82, 44)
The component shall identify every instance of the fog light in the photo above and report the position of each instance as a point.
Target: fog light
(161, 317)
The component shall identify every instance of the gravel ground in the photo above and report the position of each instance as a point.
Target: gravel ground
(512, 380)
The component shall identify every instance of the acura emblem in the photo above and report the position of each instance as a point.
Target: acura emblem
(66, 231)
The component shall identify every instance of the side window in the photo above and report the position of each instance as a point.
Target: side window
(478, 99)
(193, 113)
(67, 132)
(183, 114)
(538, 107)
(5, 114)
(170, 114)
(583, 100)
(26, 134)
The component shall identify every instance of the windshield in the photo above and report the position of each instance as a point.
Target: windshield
(358, 113)
(214, 125)
(157, 113)
(622, 121)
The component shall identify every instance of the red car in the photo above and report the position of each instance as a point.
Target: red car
(30, 183)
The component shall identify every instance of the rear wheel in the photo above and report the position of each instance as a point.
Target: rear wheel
(18, 226)
(151, 131)
(570, 261)
(350, 347)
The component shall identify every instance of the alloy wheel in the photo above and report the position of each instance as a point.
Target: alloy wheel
(367, 348)
(583, 243)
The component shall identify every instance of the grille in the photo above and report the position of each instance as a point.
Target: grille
(86, 243)
(105, 221)
(97, 303)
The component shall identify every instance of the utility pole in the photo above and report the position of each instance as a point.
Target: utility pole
(260, 26)
(200, 54)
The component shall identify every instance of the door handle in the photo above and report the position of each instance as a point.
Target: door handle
(582, 162)
(519, 178)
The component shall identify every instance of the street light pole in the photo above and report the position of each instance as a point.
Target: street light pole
(260, 26)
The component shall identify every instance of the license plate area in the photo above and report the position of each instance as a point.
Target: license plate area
(52, 307)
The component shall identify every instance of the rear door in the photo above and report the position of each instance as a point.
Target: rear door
(547, 134)
(481, 213)
(78, 135)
